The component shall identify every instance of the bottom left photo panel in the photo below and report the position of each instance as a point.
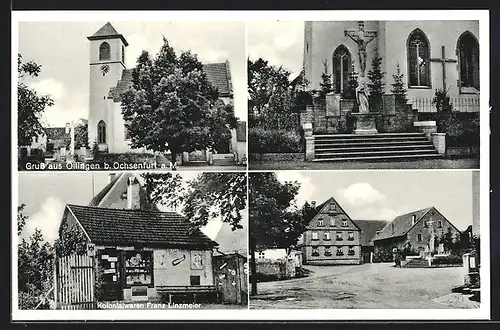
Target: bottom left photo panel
(131, 240)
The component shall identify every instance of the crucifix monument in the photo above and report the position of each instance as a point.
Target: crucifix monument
(364, 120)
(443, 60)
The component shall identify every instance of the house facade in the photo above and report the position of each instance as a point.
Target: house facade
(331, 237)
(370, 229)
(416, 231)
(428, 53)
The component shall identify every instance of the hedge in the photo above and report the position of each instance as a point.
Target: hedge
(448, 260)
(274, 141)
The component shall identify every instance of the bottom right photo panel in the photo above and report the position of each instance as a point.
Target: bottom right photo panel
(364, 240)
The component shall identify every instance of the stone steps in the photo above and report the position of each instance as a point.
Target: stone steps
(417, 263)
(392, 146)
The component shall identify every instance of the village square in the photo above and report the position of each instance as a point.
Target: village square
(365, 94)
(415, 246)
(197, 120)
(132, 241)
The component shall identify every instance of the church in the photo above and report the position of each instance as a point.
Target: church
(431, 54)
(109, 77)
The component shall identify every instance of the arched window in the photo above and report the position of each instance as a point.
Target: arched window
(419, 70)
(468, 55)
(104, 52)
(341, 68)
(101, 132)
(123, 54)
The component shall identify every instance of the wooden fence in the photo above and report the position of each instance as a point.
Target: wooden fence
(461, 104)
(74, 277)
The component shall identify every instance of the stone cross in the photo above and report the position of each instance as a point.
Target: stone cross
(443, 60)
(430, 223)
(361, 38)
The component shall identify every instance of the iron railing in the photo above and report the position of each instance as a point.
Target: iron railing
(460, 104)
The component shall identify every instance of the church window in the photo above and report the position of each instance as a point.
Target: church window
(419, 237)
(339, 251)
(315, 236)
(339, 236)
(468, 54)
(327, 236)
(104, 52)
(328, 253)
(123, 54)
(341, 68)
(418, 59)
(351, 236)
(332, 222)
(344, 223)
(101, 132)
(320, 223)
(351, 251)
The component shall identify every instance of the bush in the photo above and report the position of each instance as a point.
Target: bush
(448, 260)
(274, 141)
(383, 256)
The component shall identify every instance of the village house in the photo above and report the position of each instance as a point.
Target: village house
(331, 237)
(416, 232)
(144, 254)
(370, 229)
(109, 77)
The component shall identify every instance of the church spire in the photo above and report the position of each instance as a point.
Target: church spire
(107, 31)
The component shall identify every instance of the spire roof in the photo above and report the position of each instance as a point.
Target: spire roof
(107, 31)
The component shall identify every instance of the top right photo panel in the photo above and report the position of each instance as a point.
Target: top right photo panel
(364, 94)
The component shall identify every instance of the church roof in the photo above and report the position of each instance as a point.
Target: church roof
(217, 73)
(107, 31)
(136, 227)
(369, 229)
(402, 224)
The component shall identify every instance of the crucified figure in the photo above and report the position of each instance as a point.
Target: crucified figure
(361, 38)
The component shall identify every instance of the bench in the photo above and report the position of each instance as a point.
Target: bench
(191, 292)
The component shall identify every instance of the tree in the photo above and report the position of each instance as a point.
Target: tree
(326, 81)
(376, 84)
(209, 195)
(350, 91)
(268, 87)
(34, 265)
(272, 222)
(398, 87)
(81, 136)
(172, 106)
(30, 105)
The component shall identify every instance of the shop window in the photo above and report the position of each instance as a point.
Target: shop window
(138, 268)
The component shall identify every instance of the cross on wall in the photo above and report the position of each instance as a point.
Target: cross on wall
(443, 60)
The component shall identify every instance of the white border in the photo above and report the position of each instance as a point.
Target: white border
(303, 314)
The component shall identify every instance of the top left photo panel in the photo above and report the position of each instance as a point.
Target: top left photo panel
(130, 95)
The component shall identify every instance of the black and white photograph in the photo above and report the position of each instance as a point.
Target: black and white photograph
(131, 240)
(131, 95)
(365, 240)
(364, 94)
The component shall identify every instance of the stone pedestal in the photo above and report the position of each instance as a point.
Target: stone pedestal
(308, 136)
(426, 127)
(364, 123)
(439, 142)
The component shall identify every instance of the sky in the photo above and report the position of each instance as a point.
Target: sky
(63, 51)
(46, 195)
(383, 195)
(279, 42)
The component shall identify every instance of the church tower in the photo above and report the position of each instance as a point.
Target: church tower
(107, 62)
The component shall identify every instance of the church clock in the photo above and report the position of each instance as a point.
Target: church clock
(104, 69)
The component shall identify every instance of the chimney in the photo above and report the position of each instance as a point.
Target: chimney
(313, 204)
(133, 198)
(111, 177)
(413, 217)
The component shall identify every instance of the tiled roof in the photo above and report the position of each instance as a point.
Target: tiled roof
(217, 74)
(369, 230)
(107, 31)
(401, 224)
(241, 131)
(135, 227)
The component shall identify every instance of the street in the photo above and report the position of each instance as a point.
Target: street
(365, 286)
